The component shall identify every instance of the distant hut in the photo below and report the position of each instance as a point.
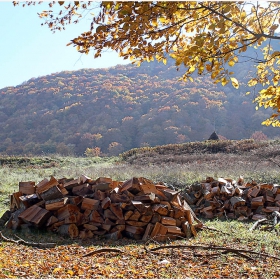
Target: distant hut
(214, 136)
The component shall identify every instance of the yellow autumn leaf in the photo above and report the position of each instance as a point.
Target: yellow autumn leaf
(70, 272)
(224, 81)
(57, 269)
(234, 82)
(191, 69)
(231, 63)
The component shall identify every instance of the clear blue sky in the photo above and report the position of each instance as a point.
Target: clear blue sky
(29, 50)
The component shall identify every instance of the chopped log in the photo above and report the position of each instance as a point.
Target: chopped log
(28, 200)
(131, 235)
(176, 201)
(106, 227)
(187, 229)
(15, 201)
(270, 209)
(52, 205)
(132, 185)
(146, 217)
(43, 182)
(106, 202)
(115, 198)
(96, 217)
(134, 229)
(45, 185)
(62, 189)
(51, 193)
(257, 201)
(136, 223)
(74, 219)
(170, 194)
(90, 204)
(109, 222)
(148, 188)
(69, 230)
(75, 200)
(101, 180)
(241, 211)
(188, 214)
(84, 234)
(156, 218)
(268, 198)
(168, 221)
(15, 222)
(253, 192)
(148, 231)
(114, 236)
(173, 230)
(85, 179)
(5, 217)
(193, 230)
(237, 201)
(27, 187)
(67, 211)
(167, 204)
(71, 184)
(189, 199)
(120, 222)
(100, 232)
(56, 225)
(117, 210)
(128, 214)
(109, 214)
(161, 209)
(51, 221)
(277, 197)
(101, 187)
(139, 206)
(159, 231)
(35, 215)
(100, 195)
(171, 213)
(146, 198)
(82, 190)
(266, 186)
(215, 191)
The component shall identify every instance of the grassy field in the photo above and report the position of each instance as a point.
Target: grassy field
(174, 165)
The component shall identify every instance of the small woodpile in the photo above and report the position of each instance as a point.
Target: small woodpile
(233, 199)
(84, 208)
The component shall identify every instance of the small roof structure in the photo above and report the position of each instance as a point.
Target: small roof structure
(214, 136)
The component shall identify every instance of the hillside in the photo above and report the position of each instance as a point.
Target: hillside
(121, 108)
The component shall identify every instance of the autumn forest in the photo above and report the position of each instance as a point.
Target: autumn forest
(108, 111)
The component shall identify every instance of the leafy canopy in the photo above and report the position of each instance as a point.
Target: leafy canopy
(204, 37)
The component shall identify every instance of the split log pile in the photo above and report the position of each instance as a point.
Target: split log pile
(234, 199)
(84, 208)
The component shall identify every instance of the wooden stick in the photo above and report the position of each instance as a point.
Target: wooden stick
(206, 247)
(21, 241)
(257, 223)
(103, 250)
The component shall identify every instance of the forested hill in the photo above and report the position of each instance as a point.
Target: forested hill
(120, 108)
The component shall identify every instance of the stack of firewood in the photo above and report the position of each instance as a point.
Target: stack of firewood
(84, 208)
(233, 199)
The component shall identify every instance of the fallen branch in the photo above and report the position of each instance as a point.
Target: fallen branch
(203, 247)
(27, 243)
(276, 216)
(213, 229)
(257, 223)
(103, 250)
